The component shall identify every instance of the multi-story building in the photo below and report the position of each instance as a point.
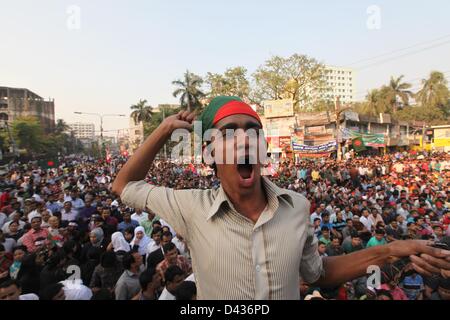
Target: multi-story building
(83, 130)
(135, 135)
(21, 102)
(341, 83)
(165, 106)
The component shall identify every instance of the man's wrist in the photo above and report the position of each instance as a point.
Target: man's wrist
(166, 129)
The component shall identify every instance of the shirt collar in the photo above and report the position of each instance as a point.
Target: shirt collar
(273, 192)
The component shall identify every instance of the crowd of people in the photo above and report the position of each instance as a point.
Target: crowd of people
(64, 235)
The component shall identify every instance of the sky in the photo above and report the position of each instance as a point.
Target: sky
(103, 56)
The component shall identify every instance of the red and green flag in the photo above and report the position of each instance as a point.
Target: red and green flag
(358, 144)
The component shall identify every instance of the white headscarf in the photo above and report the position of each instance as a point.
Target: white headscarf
(144, 241)
(119, 243)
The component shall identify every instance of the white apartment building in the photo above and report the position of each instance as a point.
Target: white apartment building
(341, 83)
(83, 130)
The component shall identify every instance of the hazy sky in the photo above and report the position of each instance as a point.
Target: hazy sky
(127, 50)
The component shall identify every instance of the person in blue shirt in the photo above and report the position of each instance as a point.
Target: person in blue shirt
(52, 205)
(326, 221)
(413, 286)
(127, 222)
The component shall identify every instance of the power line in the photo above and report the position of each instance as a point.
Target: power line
(399, 50)
(401, 56)
(359, 93)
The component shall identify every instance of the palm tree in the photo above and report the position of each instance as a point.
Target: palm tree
(61, 126)
(189, 91)
(434, 92)
(141, 112)
(397, 90)
(373, 105)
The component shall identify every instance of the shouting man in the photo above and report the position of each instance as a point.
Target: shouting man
(250, 239)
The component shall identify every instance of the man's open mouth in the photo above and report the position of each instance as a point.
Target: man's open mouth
(245, 167)
(245, 170)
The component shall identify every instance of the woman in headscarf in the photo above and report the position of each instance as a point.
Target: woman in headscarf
(119, 245)
(96, 240)
(96, 237)
(140, 241)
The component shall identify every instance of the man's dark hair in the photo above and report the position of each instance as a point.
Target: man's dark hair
(383, 292)
(172, 272)
(186, 291)
(146, 277)
(324, 228)
(167, 234)
(108, 260)
(2, 247)
(156, 222)
(7, 282)
(348, 219)
(50, 291)
(332, 237)
(22, 247)
(379, 231)
(315, 219)
(128, 260)
(168, 247)
(354, 234)
(156, 230)
(322, 243)
(129, 230)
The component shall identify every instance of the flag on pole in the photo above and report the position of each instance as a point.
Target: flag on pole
(358, 144)
(108, 156)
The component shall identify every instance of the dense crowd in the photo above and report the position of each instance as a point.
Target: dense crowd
(64, 235)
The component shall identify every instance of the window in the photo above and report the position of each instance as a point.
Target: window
(350, 79)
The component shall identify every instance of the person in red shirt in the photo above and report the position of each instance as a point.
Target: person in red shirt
(5, 198)
(36, 233)
(446, 220)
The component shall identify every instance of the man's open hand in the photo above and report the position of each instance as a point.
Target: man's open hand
(425, 259)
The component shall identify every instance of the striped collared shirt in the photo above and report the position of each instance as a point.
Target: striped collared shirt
(232, 257)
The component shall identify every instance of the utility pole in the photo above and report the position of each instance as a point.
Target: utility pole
(165, 144)
(338, 127)
(101, 125)
(339, 111)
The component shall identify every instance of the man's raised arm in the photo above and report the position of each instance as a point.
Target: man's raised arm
(137, 167)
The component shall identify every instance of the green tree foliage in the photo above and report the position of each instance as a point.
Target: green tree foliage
(233, 82)
(396, 94)
(189, 92)
(28, 134)
(435, 93)
(431, 115)
(141, 112)
(157, 118)
(297, 77)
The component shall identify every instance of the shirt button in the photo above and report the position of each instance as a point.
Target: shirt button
(258, 268)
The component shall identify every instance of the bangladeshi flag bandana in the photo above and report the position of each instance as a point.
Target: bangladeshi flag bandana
(223, 106)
